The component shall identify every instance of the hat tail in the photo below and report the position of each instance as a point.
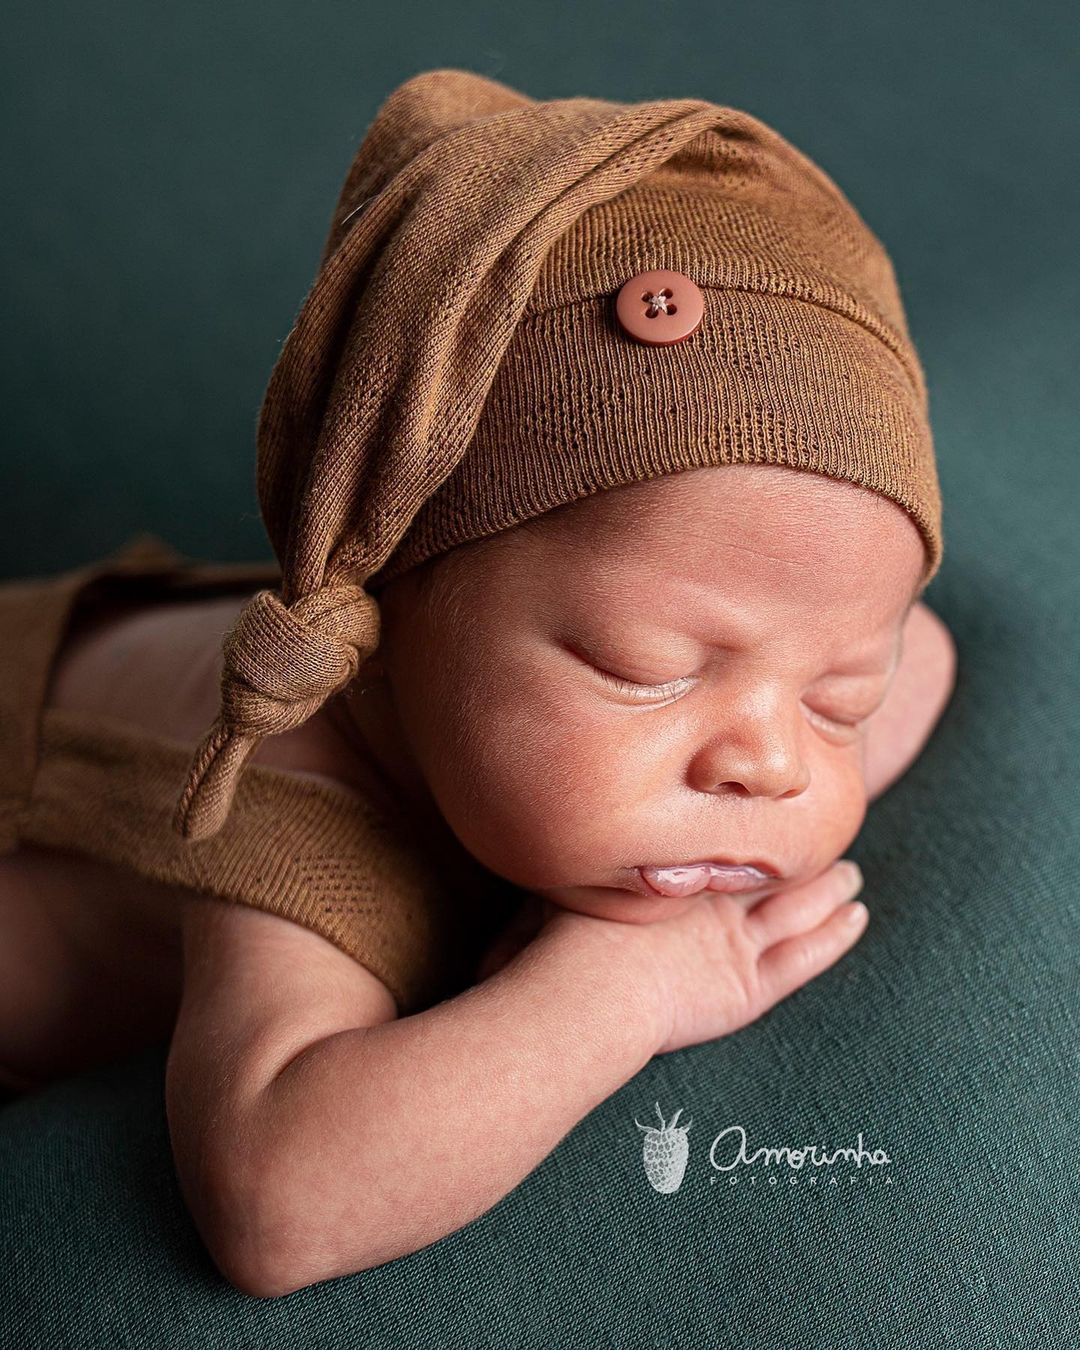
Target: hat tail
(211, 785)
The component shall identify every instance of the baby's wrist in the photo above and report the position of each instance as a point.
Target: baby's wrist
(615, 959)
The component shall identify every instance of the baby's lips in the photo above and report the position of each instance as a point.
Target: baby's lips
(690, 878)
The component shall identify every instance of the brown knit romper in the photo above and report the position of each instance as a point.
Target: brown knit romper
(411, 905)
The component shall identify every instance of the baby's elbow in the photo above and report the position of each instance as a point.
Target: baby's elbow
(265, 1273)
(251, 1261)
(255, 1277)
(268, 1241)
(245, 1218)
(263, 1279)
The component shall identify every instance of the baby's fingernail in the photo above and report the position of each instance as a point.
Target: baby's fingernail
(855, 912)
(853, 880)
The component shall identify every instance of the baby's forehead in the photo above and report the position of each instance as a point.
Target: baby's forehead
(743, 537)
(769, 508)
(777, 494)
(742, 581)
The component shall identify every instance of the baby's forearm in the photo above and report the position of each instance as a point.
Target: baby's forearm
(376, 1142)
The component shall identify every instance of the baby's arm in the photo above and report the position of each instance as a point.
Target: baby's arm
(316, 1136)
(309, 1146)
(919, 693)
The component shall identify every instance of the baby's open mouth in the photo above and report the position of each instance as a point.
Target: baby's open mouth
(683, 879)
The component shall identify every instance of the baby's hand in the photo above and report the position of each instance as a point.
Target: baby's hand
(721, 965)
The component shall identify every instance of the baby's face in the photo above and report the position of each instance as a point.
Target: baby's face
(662, 673)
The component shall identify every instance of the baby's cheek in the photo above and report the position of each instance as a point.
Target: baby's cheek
(539, 800)
(842, 790)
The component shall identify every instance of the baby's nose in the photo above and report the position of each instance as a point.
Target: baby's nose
(763, 762)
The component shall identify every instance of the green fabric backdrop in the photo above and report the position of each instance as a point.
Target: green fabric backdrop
(171, 172)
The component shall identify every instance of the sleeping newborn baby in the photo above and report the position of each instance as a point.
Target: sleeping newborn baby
(662, 712)
(648, 640)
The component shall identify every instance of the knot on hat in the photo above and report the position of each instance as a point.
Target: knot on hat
(282, 662)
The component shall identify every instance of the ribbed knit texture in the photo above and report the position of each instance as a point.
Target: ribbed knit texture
(457, 367)
(400, 896)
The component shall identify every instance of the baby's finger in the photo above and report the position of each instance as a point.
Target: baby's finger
(790, 964)
(792, 911)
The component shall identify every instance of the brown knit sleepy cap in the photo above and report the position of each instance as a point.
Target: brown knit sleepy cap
(457, 366)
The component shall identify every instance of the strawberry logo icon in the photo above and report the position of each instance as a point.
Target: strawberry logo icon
(666, 1151)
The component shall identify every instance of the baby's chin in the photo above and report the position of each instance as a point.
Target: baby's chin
(626, 906)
